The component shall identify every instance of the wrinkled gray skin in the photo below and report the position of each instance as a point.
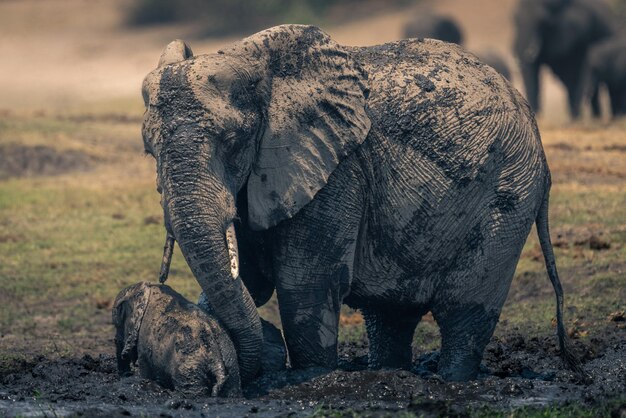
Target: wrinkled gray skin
(428, 25)
(173, 342)
(558, 34)
(606, 64)
(398, 179)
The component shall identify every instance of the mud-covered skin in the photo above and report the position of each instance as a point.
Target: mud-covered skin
(558, 34)
(390, 333)
(173, 342)
(444, 28)
(440, 198)
(274, 352)
(403, 177)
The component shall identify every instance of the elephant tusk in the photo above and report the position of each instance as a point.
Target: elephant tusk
(233, 252)
(168, 250)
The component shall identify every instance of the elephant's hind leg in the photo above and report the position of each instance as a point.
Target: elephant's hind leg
(467, 310)
(390, 334)
(465, 332)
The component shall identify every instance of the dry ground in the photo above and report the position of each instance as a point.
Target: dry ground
(80, 219)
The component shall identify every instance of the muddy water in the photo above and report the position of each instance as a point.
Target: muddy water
(517, 371)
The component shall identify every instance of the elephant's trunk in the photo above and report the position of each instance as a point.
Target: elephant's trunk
(201, 209)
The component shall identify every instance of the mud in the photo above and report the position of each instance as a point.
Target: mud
(26, 161)
(590, 236)
(517, 371)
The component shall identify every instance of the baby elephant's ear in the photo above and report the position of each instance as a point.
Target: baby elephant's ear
(128, 312)
(175, 51)
(315, 114)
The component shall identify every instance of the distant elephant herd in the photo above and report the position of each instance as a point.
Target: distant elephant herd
(579, 40)
(398, 179)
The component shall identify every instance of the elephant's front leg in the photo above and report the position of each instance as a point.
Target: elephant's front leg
(314, 256)
(310, 316)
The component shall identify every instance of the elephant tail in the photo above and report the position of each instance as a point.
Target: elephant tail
(543, 231)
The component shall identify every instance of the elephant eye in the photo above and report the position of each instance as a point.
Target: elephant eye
(229, 136)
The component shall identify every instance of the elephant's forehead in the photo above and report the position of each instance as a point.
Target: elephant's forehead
(195, 90)
(199, 75)
(170, 83)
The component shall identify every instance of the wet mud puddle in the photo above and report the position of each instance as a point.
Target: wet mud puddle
(90, 386)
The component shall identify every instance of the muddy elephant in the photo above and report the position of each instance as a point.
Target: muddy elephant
(558, 34)
(606, 65)
(400, 179)
(429, 25)
(173, 342)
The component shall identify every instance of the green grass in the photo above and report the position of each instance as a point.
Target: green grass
(71, 250)
(69, 243)
(581, 207)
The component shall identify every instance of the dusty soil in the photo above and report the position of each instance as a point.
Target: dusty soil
(518, 370)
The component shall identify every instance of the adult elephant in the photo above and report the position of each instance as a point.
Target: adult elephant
(558, 34)
(400, 178)
(606, 64)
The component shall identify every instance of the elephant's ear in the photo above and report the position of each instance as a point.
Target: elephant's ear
(128, 312)
(175, 51)
(316, 116)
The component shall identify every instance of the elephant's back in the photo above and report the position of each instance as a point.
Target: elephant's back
(452, 147)
(442, 103)
(430, 65)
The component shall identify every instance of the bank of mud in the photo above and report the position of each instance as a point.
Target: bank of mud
(518, 371)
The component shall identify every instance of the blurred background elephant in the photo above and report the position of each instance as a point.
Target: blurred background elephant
(558, 34)
(497, 62)
(173, 342)
(427, 24)
(434, 26)
(606, 65)
(354, 175)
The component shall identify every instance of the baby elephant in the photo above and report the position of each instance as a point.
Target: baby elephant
(606, 64)
(173, 342)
